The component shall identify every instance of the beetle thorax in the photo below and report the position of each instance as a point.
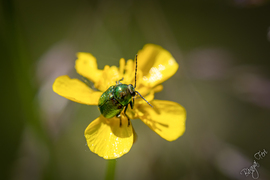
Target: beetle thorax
(123, 93)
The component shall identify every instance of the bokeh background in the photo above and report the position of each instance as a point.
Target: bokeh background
(222, 47)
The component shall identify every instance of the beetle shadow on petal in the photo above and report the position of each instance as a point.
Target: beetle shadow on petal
(145, 108)
(147, 118)
(154, 124)
(122, 131)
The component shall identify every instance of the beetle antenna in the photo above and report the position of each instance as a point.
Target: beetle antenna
(144, 99)
(135, 71)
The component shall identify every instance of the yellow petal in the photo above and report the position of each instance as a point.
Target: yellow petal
(135, 136)
(158, 88)
(167, 118)
(75, 90)
(106, 138)
(86, 65)
(122, 64)
(157, 64)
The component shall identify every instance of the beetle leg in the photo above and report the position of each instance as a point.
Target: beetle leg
(118, 82)
(119, 116)
(127, 115)
(131, 103)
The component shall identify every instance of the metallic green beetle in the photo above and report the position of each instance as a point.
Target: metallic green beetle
(112, 102)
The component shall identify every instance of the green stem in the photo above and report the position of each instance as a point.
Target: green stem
(110, 169)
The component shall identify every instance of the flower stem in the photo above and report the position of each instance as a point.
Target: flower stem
(110, 169)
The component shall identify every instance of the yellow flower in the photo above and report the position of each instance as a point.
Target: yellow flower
(106, 137)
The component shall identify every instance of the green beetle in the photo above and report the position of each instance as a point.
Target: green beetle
(116, 98)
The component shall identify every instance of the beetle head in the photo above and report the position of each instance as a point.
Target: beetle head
(131, 89)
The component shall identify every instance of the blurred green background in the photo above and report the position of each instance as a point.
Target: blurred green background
(222, 47)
